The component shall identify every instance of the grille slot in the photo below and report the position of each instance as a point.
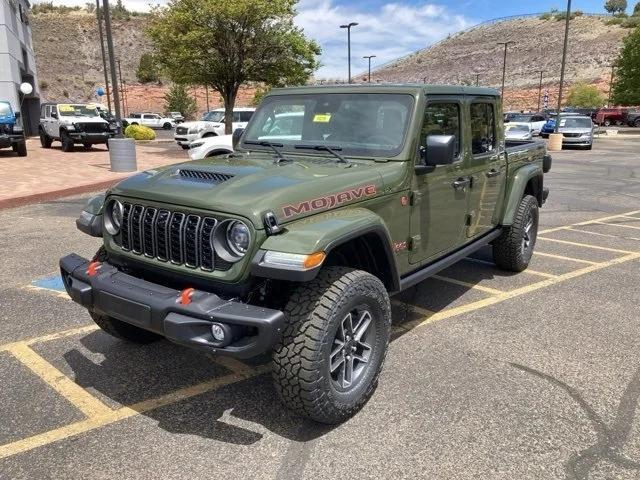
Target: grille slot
(93, 127)
(204, 176)
(571, 135)
(181, 238)
(181, 130)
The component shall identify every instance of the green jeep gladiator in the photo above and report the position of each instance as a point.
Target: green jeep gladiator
(336, 198)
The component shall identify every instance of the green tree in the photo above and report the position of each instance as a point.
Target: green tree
(177, 99)
(626, 85)
(225, 43)
(259, 95)
(147, 69)
(636, 10)
(615, 6)
(585, 96)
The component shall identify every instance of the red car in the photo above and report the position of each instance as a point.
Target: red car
(610, 116)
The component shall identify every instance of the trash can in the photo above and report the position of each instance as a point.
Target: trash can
(122, 155)
(555, 142)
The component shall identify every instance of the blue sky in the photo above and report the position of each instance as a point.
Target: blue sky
(391, 28)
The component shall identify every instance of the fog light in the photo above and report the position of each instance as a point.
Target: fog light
(217, 331)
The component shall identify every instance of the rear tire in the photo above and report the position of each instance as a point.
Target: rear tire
(185, 147)
(333, 347)
(45, 140)
(20, 148)
(87, 146)
(636, 123)
(513, 249)
(167, 126)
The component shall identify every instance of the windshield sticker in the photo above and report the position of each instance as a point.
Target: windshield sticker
(329, 201)
(562, 122)
(66, 108)
(321, 118)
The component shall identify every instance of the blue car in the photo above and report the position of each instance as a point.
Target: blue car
(548, 128)
(11, 134)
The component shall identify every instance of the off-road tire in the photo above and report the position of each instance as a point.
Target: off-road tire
(20, 148)
(66, 141)
(508, 251)
(45, 140)
(314, 313)
(185, 147)
(636, 122)
(166, 126)
(87, 146)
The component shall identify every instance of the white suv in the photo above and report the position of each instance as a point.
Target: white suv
(211, 125)
(151, 120)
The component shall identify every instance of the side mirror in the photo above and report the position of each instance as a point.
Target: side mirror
(235, 137)
(54, 115)
(439, 150)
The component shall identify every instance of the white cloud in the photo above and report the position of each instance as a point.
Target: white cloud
(388, 31)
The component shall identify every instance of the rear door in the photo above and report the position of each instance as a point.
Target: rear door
(439, 199)
(485, 164)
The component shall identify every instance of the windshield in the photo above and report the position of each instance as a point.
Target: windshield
(213, 117)
(354, 123)
(575, 123)
(5, 109)
(67, 110)
(521, 118)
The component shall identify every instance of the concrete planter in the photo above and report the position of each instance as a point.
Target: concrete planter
(122, 155)
(555, 142)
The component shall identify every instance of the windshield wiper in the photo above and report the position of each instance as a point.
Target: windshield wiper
(272, 146)
(331, 150)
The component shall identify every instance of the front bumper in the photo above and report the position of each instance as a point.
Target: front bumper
(8, 140)
(85, 137)
(577, 140)
(186, 139)
(157, 308)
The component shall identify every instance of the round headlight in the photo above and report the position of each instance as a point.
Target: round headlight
(231, 240)
(238, 237)
(113, 217)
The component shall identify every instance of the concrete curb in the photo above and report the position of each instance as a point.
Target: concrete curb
(54, 194)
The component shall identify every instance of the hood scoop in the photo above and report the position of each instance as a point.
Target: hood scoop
(204, 176)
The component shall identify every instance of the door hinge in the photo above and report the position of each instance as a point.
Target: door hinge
(415, 198)
(414, 242)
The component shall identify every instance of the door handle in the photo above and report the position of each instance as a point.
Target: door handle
(461, 183)
(492, 173)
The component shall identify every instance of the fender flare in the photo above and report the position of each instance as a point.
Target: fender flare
(325, 232)
(518, 186)
(218, 151)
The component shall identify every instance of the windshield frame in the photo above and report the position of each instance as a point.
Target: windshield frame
(217, 113)
(410, 101)
(86, 106)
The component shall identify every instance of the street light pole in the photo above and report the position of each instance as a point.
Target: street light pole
(112, 64)
(348, 27)
(104, 58)
(477, 79)
(564, 59)
(504, 64)
(540, 90)
(369, 57)
(122, 89)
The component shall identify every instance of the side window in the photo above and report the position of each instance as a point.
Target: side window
(442, 119)
(245, 116)
(236, 117)
(483, 128)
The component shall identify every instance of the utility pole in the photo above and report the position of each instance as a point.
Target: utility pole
(104, 58)
(613, 66)
(504, 64)
(540, 90)
(564, 59)
(348, 27)
(122, 89)
(369, 57)
(206, 93)
(477, 79)
(112, 64)
(424, 79)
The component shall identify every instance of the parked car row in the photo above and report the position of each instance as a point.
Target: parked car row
(211, 125)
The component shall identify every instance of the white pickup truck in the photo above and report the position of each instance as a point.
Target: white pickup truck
(211, 125)
(151, 120)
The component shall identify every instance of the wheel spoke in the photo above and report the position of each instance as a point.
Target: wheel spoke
(347, 372)
(346, 327)
(335, 365)
(365, 346)
(362, 326)
(360, 358)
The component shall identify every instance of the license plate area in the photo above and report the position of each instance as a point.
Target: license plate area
(124, 309)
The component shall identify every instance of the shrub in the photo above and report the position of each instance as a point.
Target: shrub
(147, 69)
(178, 100)
(139, 132)
(614, 21)
(631, 22)
(546, 16)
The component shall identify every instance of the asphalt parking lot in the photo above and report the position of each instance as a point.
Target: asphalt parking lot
(490, 375)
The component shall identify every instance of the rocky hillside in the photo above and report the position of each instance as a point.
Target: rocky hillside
(69, 62)
(593, 46)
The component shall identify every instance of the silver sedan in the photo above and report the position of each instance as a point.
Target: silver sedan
(515, 132)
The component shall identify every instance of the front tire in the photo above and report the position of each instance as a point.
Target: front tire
(513, 249)
(45, 140)
(67, 142)
(20, 148)
(167, 126)
(328, 362)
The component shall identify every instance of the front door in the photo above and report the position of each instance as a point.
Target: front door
(440, 197)
(486, 165)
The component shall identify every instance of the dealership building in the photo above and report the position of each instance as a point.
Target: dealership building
(17, 62)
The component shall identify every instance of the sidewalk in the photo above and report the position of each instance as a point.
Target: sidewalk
(45, 174)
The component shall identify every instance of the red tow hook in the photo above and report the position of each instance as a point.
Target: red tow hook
(185, 296)
(92, 268)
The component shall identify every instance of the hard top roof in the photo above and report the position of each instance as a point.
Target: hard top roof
(413, 88)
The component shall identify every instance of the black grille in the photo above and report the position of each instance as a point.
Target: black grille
(204, 176)
(93, 127)
(183, 239)
(571, 135)
(182, 130)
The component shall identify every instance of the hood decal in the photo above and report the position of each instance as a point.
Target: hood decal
(329, 201)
